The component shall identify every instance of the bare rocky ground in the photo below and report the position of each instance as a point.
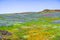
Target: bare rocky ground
(4, 34)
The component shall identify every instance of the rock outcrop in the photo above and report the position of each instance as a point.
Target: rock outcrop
(48, 10)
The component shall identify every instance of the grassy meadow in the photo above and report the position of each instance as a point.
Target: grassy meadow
(41, 26)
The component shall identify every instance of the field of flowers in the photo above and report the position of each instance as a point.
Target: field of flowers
(37, 27)
(33, 30)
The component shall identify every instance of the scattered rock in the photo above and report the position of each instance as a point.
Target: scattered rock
(2, 32)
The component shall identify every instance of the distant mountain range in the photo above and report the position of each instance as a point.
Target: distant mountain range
(10, 19)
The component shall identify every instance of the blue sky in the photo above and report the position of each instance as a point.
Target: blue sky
(13, 6)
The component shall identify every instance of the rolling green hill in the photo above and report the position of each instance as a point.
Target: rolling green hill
(44, 25)
(9, 19)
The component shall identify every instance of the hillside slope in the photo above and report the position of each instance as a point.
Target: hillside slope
(9, 19)
(43, 25)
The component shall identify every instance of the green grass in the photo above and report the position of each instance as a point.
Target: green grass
(21, 30)
(40, 29)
